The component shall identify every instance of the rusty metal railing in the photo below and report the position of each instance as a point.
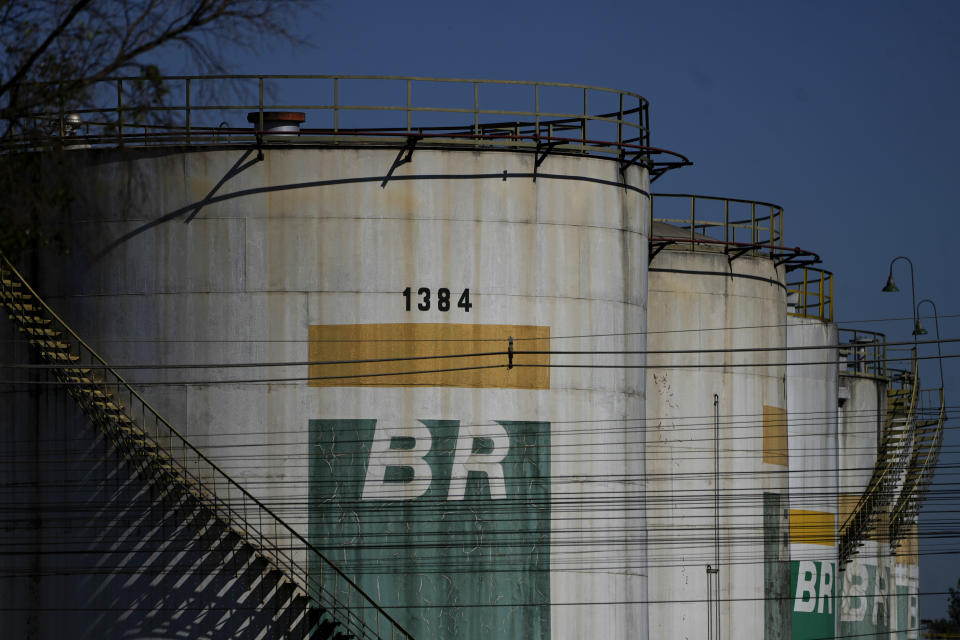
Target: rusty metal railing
(922, 465)
(893, 455)
(734, 226)
(863, 352)
(360, 109)
(730, 220)
(810, 293)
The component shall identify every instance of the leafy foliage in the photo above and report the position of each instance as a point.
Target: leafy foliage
(55, 58)
(951, 624)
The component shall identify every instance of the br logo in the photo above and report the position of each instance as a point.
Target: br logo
(398, 469)
(814, 587)
(392, 460)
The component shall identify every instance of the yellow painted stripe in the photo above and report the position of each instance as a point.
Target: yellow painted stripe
(775, 436)
(813, 527)
(350, 342)
(908, 552)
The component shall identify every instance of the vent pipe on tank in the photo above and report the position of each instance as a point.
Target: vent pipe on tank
(713, 571)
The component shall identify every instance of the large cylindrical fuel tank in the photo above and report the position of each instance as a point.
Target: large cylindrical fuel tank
(473, 489)
(865, 581)
(716, 423)
(812, 443)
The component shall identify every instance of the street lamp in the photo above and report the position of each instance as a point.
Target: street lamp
(936, 324)
(918, 329)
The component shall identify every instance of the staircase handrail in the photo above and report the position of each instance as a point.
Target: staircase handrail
(923, 466)
(282, 559)
(879, 491)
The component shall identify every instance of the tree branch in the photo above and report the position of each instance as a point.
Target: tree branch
(79, 6)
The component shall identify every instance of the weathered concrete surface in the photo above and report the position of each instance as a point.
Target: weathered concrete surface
(213, 257)
(812, 428)
(698, 301)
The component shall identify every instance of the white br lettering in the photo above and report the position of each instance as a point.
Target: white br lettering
(825, 599)
(488, 463)
(805, 600)
(387, 450)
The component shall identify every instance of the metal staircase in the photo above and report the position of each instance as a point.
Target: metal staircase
(314, 598)
(922, 465)
(893, 455)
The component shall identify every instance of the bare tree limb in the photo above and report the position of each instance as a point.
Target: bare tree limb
(78, 6)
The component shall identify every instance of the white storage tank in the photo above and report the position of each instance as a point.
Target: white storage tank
(812, 384)
(471, 488)
(864, 582)
(717, 420)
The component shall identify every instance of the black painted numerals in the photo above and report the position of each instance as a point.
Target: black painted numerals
(423, 301)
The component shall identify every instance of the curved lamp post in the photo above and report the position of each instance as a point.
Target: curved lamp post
(936, 324)
(918, 329)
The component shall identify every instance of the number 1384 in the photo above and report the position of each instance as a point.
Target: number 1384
(424, 299)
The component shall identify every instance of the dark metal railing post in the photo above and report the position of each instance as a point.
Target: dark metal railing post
(693, 220)
(620, 122)
(260, 106)
(726, 221)
(476, 112)
(536, 110)
(584, 131)
(120, 111)
(822, 274)
(336, 105)
(187, 107)
(772, 241)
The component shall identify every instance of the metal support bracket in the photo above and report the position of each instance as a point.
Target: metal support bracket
(404, 156)
(656, 246)
(259, 146)
(733, 254)
(543, 150)
(625, 163)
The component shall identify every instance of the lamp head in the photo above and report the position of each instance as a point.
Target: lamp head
(918, 329)
(890, 287)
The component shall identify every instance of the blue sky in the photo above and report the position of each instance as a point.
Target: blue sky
(846, 114)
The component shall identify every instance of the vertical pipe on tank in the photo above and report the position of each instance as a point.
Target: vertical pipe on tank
(713, 571)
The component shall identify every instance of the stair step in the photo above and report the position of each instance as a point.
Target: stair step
(59, 355)
(23, 307)
(327, 627)
(92, 392)
(270, 580)
(107, 405)
(299, 609)
(280, 596)
(41, 332)
(50, 344)
(5, 281)
(241, 556)
(171, 470)
(255, 569)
